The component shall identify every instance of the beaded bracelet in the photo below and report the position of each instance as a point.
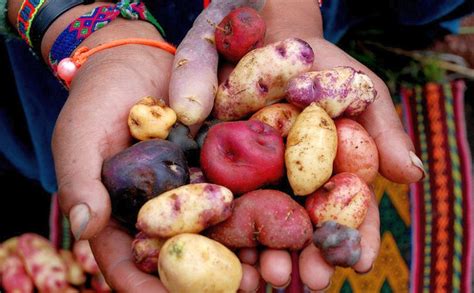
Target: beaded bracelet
(26, 15)
(68, 67)
(85, 25)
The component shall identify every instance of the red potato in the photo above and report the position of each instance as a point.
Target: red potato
(280, 116)
(260, 78)
(269, 217)
(356, 150)
(14, 276)
(196, 56)
(344, 199)
(243, 155)
(338, 90)
(42, 262)
(83, 254)
(241, 31)
(145, 252)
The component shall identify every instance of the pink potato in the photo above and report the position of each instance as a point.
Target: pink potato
(42, 262)
(268, 217)
(243, 155)
(83, 254)
(344, 199)
(340, 90)
(356, 150)
(14, 276)
(145, 252)
(241, 31)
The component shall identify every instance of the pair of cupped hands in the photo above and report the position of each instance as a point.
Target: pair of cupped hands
(92, 126)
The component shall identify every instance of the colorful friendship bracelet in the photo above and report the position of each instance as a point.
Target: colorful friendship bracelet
(85, 25)
(26, 15)
(68, 67)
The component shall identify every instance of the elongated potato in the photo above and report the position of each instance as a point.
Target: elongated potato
(187, 209)
(260, 78)
(42, 262)
(193, 81)
(338, 90)
(310, 150)
(280, 116)
(194, 263)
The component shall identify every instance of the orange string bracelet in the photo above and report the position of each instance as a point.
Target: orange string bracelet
(68, 67)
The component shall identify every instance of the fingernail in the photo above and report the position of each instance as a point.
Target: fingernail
(366, 272)
(79, 217)
(284, 286)
(308, 289)
(418, 163)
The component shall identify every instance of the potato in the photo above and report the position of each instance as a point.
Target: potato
(141, 172)
(260, 78)
(280, 116)
(83, 254)
(269, 217)
(194, 263)
(243, 155)
(339, 244)
(42, 262)
(145, 252)
(180, 134)
(14, 277)
(338, 90)
(311, 147)
(344, 199)
(356, 150)
(190, 208)
(241, 31)
(196, 175)
(150, 118)
(75, 273)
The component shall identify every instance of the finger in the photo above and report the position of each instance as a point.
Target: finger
(79, 151)
(250, 278)
(315, 272)
(398, 161)
(118, 268)
(370, 238)
(248, 255)
(275, 267)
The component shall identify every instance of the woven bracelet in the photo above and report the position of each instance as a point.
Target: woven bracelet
(26, 15)
(85, 25)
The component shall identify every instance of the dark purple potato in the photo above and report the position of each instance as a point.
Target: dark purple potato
(339, 244)
(181, 135)
(141, 172)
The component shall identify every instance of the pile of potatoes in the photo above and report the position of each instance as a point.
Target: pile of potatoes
(30, 263)
(277, 161)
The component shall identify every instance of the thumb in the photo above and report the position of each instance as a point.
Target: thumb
(82, 196)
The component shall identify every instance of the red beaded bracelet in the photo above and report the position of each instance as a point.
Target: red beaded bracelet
(68, 67)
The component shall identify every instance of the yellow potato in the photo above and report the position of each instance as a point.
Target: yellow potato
(187, 209)
(310, 150)
(280, 116)
(150, 118)
(194, 263)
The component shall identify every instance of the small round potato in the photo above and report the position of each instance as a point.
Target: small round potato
(194, 263)
(150, 118)
(280, 116)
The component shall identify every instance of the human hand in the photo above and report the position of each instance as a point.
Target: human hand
(398, 162)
